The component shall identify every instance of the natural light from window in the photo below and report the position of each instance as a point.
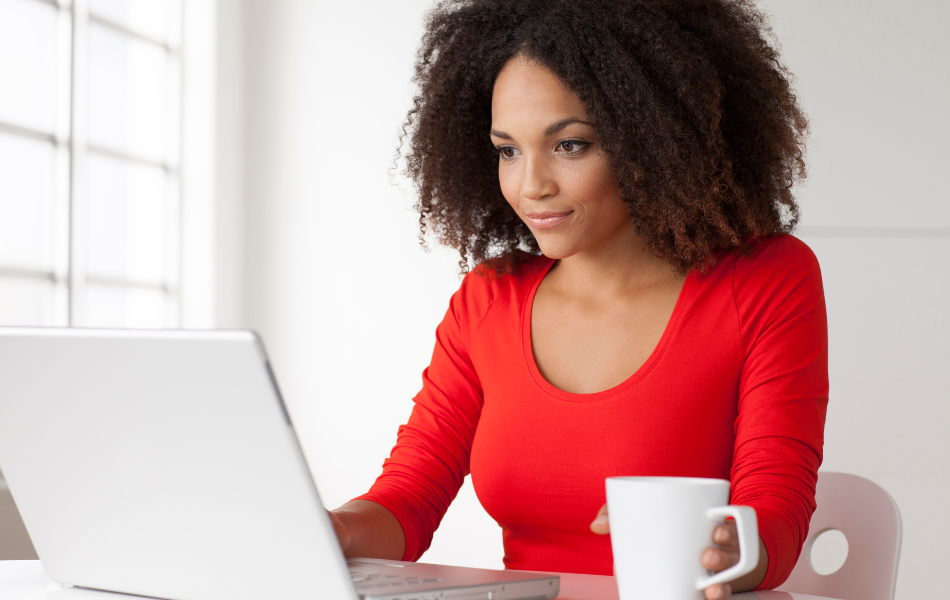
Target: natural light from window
(90, 162)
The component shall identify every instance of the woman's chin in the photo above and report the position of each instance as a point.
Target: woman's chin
(556, 251)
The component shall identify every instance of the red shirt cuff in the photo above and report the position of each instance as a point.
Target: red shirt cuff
(782, 545)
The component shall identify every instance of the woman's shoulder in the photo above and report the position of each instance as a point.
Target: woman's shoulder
(765, 260)
(776, 258)
(504, 278)
(776, 274)
(780, 249)
(509, 268)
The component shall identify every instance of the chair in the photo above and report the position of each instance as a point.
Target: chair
(870, 520)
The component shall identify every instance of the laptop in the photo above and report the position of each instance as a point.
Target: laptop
(165, 464)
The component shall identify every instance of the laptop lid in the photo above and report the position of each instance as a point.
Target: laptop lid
(161, 463)
(164, 463)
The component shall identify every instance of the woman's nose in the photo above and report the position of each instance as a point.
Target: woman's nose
(537, 182)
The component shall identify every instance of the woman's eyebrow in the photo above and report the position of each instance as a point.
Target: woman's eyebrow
(551, 129)
(554, 128)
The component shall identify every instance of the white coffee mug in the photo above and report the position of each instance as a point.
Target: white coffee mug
(659, 527)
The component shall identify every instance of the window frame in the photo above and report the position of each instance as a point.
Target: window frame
(72, 150)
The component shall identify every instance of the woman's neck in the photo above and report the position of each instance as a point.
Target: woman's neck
(624, 266)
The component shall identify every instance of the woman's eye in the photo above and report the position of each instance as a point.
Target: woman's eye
(572, 146)
(507, 152)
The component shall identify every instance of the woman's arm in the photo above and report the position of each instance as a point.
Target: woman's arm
(368, 529)
(429, 463)
(783, 395)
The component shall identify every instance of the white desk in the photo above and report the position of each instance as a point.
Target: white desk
(26, 580)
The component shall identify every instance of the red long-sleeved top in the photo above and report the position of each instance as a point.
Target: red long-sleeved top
(736, 388)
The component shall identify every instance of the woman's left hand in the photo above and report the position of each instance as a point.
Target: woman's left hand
(723, 555)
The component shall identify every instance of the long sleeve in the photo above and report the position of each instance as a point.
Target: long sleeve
(783, 396)
(429, 463)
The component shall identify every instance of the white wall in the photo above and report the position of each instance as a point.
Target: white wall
(874, 77)
(317, 250)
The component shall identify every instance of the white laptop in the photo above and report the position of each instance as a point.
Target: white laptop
(164, 464)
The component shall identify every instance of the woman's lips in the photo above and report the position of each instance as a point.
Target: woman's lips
(546, 220)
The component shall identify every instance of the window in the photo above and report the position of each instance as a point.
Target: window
(90, 162)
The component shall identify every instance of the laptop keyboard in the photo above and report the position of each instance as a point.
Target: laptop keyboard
(365, 580)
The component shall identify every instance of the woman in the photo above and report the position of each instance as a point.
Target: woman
(620, 173)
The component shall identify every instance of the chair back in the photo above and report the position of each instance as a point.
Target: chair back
(870, 520)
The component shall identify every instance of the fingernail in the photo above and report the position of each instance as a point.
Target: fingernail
(722, 535)
(710, 558)
(600, 520)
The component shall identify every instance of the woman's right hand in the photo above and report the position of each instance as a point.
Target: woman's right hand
(367, 529)
(601, 523)
(343, 534)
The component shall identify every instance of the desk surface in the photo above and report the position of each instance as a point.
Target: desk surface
(26, 580)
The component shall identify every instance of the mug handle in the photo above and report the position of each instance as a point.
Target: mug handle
(748, 527)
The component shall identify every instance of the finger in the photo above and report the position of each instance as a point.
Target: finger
(720, 591)
(717, 559)
(726, 536)
(601, 524)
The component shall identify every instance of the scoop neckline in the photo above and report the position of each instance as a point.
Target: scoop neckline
(639, 374)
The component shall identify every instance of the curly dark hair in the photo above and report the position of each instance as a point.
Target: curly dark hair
(694, 110)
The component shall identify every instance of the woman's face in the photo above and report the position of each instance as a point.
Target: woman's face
(551, 167)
